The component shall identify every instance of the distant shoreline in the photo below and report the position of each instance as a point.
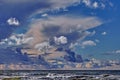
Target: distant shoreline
(68, 70)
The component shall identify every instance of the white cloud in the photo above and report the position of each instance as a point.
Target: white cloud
(12, 40)
(103, 5)
(28, 40)
(51, 28)
(104, 33)
(87, 2)
(57, 4)
(13, 21)
(73, 45)
(91, 33)
(16, 40)
(114, 52)
(42, 47)
(95, 5)
(70, 24)
(87, 43)
(60, 40)
(44, 15)
(117, 51)
(44, 29)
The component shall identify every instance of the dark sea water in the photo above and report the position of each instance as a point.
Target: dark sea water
(80, 72)
(61, 74)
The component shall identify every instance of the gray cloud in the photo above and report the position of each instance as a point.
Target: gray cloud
(46, 29)
(74, 29)
(41, 34)
(52, 4)
(56, 26)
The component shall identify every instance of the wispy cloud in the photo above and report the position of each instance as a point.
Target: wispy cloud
(117, 51)
(59, 4)
(61, 29)
(85, 44)
(114, 52)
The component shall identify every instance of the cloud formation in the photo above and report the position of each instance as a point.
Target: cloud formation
(104, 33)
(112, 52)
(87, 43)
(55, 31)
(13, 40)
(43, 47)
(56, 26)
(61, 30)
(50, 5)
(16, 40)
(60, 40)
(13, 21)
(94, 4)
(44, 15)
(49, 38)
(117, 51)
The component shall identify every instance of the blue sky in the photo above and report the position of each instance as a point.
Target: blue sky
(88, 27)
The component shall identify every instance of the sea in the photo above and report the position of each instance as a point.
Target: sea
(60, 75)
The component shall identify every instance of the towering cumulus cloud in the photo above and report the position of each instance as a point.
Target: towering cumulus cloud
(52, 31)
(60, 31)
(56, 31)
(48, 30)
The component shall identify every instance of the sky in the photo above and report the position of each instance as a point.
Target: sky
(89, 28)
